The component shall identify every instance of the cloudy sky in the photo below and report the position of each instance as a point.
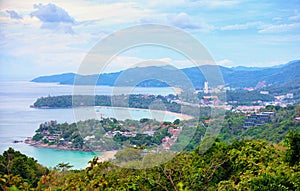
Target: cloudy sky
(39, 37)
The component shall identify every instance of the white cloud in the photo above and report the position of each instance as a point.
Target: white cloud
(268, 63)
(81, 10)
(24, 39)
(263, 27)
(274, 40)
(124, 62)
(277, 19)
(187, 3)
(244, 26)
(225, 62)
(107, 14)
(53, 18)
(42, 49)
(279, 28)
(163, 4)
(182, 20)
(295, 17)
(217, 3)
(51, 13)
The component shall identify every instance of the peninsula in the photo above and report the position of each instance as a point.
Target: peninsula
(107, 134)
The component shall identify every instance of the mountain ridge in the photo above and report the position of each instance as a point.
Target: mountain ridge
(163, 76)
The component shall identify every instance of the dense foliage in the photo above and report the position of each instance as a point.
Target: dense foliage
(132, 101)
(104, 134)
(142, 101)
(111, 134)
(153, 102)
(232, 162)
(290, 87)
(59, 134)
(281, 123)
(247, 97)
(19, 170)
(236, 77)
(243, 165)
(65, 101)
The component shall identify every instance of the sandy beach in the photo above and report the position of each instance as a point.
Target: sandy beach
(107, 155)
(179, 115)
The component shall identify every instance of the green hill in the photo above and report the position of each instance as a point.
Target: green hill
(154, 76)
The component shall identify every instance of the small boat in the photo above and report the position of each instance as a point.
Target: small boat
(16, 141)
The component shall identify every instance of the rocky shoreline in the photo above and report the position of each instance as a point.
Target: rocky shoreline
(105, 156)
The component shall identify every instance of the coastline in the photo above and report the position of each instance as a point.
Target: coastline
(106, 154)
(179, 115)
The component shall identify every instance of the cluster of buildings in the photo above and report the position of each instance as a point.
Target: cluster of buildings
(217, 89)
(212, 101)
(52, 136)
(49, 134)
(279, 100)
(111, 134)
(167, 142)
(258, 119)
(282, 97)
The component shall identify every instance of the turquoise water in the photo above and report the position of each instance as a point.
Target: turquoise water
(18, 121)
(51, 157)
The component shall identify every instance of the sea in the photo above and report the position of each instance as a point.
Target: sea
(18, 121)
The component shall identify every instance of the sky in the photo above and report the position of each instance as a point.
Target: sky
(42, 37)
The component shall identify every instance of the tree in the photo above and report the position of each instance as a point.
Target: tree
(293, 152)
(64, 166)
(15, 164)
(176, 122)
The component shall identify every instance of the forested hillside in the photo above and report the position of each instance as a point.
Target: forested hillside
(280, 124)
(244, 165)
(153, 76)
(270, 161)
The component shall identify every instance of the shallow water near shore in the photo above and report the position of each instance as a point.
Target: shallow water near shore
(18, 121)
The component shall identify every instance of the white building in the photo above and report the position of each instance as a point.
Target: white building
(264, 92)
(206, 87)
(290, 96)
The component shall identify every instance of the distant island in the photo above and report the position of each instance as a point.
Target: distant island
(157, 76)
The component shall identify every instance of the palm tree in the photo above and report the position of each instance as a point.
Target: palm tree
(92, 164)
(64, 166)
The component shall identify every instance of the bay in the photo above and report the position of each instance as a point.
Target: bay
(18, 121)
